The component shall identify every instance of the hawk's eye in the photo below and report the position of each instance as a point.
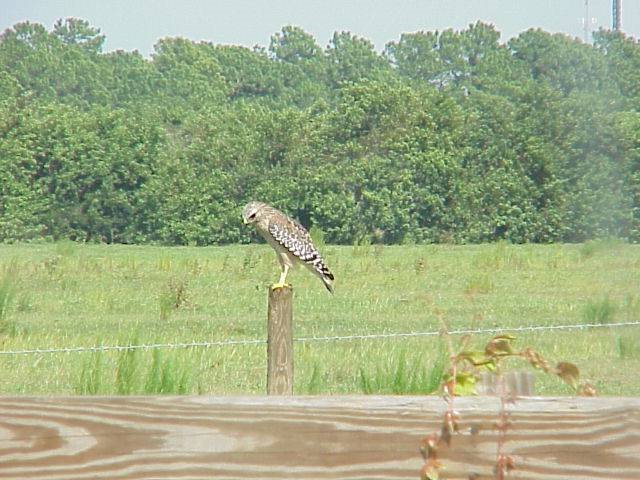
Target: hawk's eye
(252, 216)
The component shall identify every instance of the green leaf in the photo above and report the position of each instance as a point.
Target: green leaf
(465, 384)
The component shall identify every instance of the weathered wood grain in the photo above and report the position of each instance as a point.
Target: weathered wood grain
(280, 341)
(309, 437)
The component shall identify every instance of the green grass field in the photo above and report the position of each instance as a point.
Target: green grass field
(72, 295)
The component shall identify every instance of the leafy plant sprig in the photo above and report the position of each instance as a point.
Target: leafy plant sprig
(465, 367)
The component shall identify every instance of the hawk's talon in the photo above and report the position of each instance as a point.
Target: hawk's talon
(278, 285)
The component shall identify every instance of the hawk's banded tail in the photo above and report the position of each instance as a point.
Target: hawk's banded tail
(316, 264)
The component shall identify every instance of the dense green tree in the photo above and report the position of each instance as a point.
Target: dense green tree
(80, 170)
(294, 45)
(622, 55)
(74, 31)
(443, 58)
(447, 136)
(303, 65)
(627, 125)
(57, 66)
(130, 79)
(566, 63)
(248, 73)
(352, 58)
(190, 73)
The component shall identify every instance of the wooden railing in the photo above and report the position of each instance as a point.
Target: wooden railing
(358, 437)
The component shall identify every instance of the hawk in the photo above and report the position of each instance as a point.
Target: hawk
(289, 239)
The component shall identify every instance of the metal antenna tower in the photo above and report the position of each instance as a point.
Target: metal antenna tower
(616, 14)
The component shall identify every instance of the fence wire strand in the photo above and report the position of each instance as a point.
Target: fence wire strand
(373, 336)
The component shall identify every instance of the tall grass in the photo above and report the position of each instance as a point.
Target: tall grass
(628, 347)
(599, 311)
(92, 375)
(166, 375)
(173, 297)
(315, 385)
(127, 371)
(136, 372)
(479, 284)
(67, 295)
(593, 247)
(7, 295)
(403, 377)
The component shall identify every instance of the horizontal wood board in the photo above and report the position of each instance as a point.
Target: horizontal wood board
(342, 437)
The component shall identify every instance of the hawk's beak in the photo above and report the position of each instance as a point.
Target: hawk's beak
(244, 220)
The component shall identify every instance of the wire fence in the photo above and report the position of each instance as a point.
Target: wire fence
(334, 338)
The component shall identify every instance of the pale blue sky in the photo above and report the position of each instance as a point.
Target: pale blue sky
(138, 24)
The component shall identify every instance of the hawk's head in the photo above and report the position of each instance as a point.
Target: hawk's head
(251, 210)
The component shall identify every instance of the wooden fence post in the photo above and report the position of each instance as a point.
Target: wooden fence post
(519, 383)
(280, 342)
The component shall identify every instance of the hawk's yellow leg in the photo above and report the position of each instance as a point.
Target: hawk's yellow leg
(283, 277)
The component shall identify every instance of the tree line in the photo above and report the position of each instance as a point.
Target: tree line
(444, 136)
